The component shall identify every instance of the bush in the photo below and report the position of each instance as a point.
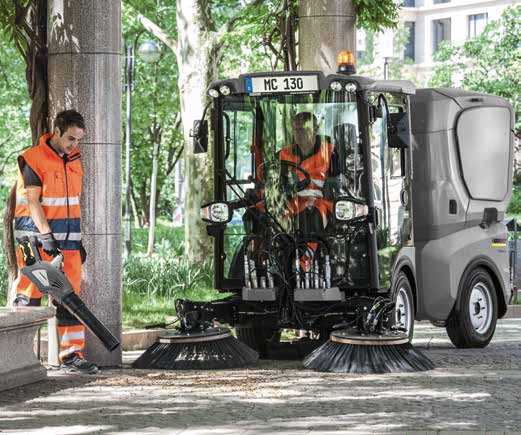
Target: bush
(515, 203)
(166, 277)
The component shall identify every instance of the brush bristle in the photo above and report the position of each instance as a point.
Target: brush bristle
(223, 353)
(350, 358)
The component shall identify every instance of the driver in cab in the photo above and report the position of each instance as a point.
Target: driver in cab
(312, 205)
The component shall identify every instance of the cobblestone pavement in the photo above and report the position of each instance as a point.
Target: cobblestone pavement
(470, 390)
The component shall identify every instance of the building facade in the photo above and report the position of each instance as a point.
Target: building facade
(429, 22)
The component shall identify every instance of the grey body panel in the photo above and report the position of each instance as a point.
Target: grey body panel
(458, 171)
(438, 176)
(440, 265)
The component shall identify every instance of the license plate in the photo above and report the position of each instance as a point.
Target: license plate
(270, 85)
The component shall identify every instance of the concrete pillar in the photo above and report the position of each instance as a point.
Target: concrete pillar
(326, 27)
(84, 41)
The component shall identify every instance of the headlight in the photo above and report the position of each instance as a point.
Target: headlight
(350, 87)
(335, 86)
(225, 90)
(214, 93)
(216, 213)
(344, 210)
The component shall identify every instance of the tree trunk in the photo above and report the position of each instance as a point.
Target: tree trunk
(144, 203)
(153, 197)
(326, 27)
(30, 38)
(198, 49)
(137, 217)
(8, 240)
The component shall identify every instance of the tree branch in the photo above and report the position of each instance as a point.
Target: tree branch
(157, 31)
(229, 26)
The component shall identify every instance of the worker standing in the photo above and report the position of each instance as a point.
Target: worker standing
(48, 206)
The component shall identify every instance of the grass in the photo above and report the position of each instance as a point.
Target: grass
(151, 284)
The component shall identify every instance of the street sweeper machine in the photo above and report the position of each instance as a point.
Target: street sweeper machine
(348, 207)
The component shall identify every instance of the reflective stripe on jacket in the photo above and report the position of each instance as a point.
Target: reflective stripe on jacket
(317, 166)
(60, 197)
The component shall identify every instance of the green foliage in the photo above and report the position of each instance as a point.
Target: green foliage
(3, 276)
(155, 99)
(150, 284)
(376, 15)
(166, 277)
(15, 132)
(489, 63)
(515, 203)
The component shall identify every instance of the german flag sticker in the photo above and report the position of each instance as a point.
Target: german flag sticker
(499, 243)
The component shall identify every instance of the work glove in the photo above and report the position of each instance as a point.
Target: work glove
(49, 244)
(331, 189)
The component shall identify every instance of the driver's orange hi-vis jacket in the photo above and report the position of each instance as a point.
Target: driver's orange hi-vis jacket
(317, 166)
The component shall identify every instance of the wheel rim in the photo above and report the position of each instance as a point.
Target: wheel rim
(403, 310)
(480, 308)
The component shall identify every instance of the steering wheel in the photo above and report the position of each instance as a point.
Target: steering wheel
(289, 186)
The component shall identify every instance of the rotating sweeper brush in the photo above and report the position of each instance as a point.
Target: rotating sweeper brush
(196, 345)
(373, 346)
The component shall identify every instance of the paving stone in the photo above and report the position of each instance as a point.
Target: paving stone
(471, 391)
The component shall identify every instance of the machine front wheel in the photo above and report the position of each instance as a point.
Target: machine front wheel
(474, 323)
(258, 338)
(404, 308)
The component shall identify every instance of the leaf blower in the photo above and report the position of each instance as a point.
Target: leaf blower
(52, 281)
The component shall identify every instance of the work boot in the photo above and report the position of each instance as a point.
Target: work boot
(76, 364)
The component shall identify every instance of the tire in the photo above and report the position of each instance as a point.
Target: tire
(404, 310)
(258, 338)
(474, 322)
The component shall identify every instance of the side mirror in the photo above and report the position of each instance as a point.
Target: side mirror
(200, 134)
(490, 216)
(399, 130)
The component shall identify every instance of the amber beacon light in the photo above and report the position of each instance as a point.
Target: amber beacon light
(346, 63)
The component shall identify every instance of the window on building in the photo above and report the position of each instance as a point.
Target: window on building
(440, 32)
(437, 2)
(408, 53)
(409, 3)
(360, 43)
(476, 24)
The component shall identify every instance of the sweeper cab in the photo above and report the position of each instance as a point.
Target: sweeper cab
(393, 213)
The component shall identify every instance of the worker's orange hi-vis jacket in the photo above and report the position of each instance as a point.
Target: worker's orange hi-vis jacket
(60, 200)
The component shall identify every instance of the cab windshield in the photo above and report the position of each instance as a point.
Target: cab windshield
(285, 161)
(291, 157)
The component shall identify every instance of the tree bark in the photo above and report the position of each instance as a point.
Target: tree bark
(326, 27)
(137, 217)
(8, 240)
(198, 49)
(156, 136)
(30, 38)
(145, 217)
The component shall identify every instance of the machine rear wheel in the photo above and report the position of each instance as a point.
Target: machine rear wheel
(258, 338)
(474, 322)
